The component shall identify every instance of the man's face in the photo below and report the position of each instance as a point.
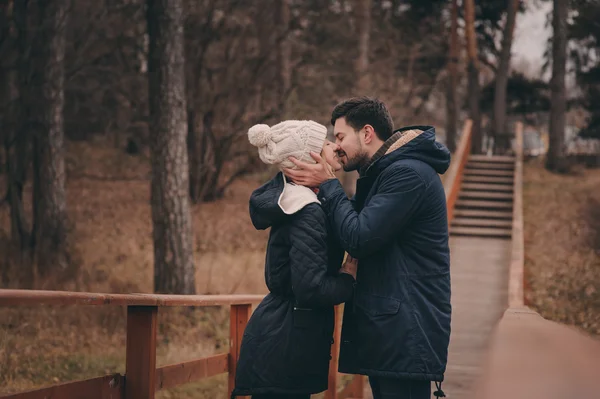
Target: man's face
(352, 153)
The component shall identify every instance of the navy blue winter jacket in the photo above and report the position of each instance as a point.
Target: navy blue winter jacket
(398, 323)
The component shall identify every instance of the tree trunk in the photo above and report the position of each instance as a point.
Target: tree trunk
(14, 143)
(474, 90)
(50, 207)
(285, 68)
(193, 152)
(171, 216)
(363, 82)
(451, 106)
(499, 126)
(556, 160)
(363, 20)
(15, 146)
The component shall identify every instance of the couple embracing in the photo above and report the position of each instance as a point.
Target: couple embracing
(395, 282)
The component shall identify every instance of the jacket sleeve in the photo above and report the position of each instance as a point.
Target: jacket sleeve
(311, 284)
(388, 211)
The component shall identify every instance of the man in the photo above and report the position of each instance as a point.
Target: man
(397, 327)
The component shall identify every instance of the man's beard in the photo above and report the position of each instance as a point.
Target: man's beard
(356, 162)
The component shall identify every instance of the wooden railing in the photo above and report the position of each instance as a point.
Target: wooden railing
(142, 379)
(453, 178)
(516, 294)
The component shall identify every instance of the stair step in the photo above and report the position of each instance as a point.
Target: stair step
(488, 180)
(483, 214)
(481, 232)
(490, 166)
(486, 187)
(462, 203)
(486, 172)
(493, 158)
(469, 222)
(486, 195)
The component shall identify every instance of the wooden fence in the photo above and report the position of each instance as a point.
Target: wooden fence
(142, 379)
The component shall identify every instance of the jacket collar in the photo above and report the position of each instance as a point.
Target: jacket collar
(397, 140)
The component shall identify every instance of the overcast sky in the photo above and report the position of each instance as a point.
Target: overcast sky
(531, 34)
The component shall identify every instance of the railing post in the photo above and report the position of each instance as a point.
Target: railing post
(331, 392)
(239, 316)
(140, 369)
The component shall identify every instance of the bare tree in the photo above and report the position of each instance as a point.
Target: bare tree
(474, 90)
(235, 81)
(499, 128)
(555, 160)
(50, 206)
(171, 216)
(451, 99)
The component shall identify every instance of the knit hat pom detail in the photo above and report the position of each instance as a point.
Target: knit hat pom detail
(259, 135)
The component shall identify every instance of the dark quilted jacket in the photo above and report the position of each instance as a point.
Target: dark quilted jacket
(398, 324)
(286, 345)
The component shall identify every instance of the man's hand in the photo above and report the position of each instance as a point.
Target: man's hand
(310, 175)
(350, 266)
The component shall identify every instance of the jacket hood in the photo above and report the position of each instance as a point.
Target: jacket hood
(271, 202)
(264, 208)
(424, 148)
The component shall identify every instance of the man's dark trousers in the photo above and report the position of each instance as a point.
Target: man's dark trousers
(393, 388)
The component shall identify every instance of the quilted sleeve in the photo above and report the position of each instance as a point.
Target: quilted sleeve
(311, 284)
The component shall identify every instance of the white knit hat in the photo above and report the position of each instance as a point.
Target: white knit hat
(288, 139)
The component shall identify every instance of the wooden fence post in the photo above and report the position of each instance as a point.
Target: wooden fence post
(331, 392)
(140, 369)
(239, 315)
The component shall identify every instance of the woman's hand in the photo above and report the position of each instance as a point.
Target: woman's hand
(350, 266)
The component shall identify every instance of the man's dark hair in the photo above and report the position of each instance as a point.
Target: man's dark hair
(361, 111)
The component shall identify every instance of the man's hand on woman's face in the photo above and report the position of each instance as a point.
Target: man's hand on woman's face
(310, 175)
(350, 266)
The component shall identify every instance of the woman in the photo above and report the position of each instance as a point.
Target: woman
(286, 346)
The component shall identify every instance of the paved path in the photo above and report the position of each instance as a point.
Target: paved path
(479, 268)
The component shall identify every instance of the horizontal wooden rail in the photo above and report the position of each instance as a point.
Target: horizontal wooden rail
(195, 370)
(354, 390)
(531, 357)
(33, 297)
(107, 387)
(454, 175)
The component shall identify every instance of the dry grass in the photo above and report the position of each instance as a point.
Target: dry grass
(562, 245)
(109, 207)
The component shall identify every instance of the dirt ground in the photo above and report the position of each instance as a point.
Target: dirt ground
(562, 245)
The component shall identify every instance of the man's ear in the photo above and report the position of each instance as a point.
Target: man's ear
(369, 134)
